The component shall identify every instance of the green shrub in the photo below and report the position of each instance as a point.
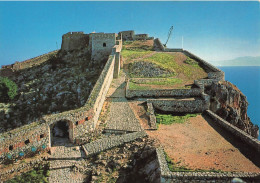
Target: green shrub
(8, 89)
(39, 174)
(168, 119)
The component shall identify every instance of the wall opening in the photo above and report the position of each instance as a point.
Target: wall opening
(104, 44)
(27, 141)
(61, 133)
(11, 147)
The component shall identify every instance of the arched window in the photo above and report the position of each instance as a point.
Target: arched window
(104, 44)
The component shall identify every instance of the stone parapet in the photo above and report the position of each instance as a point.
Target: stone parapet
(183, 106)
(198, 176)
(110, 142)
(240, 134)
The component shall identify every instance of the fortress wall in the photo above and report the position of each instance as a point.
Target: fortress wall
(199, 177)
(243, 136)
(194, 92)
(185, 106)
(74, 41)
(213, 72)
(23, 139)
(81, 121)
(101, 45)
(28, 63)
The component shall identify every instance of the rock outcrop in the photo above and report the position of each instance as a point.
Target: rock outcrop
(231, 104)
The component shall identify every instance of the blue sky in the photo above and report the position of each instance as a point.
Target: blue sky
(212, 30)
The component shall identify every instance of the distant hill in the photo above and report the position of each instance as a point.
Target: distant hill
(240, 61)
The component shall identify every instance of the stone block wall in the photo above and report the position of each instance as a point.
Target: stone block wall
(240, 134)
(199, 177)
(185, 106)
(194, 92)
(101, 45)
(127, 35)
(74, 41)
(110, 142)
(26, 140)
(81, 121)
(27, 63)
(141, 36)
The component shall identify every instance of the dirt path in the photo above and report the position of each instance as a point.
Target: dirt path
(196, 144)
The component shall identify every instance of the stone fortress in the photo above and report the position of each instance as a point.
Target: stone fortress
(106, 48)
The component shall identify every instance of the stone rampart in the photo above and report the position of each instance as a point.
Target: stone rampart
(29, 63)
(81, 121)
(101, 45)
(74, 41)
(183, 106)
(243, 136)
(194, 92)
(110, 142)
(24, 141)
(198, 176)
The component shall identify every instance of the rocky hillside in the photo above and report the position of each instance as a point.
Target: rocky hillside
(61, 83)
(231, 104)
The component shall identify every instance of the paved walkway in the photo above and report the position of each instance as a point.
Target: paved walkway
(121, 118)
(62, 161)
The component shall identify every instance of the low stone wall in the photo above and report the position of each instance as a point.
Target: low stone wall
(24, 141)
(243, 136)
(110, 142)
(173, 49)
(198, 177)
(194, 92)
(209, 67)
(152, 117)
(185, 106)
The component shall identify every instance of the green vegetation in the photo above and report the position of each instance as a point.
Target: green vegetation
(133, 86)
(174, 167)
(8, 89)
(166, 81)
(167, 62)
(191, 62)
(38, 175)
(134, 54)
(168, 119)
(127, 42)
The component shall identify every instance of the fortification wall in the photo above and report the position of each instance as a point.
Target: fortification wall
(127, 35)
(194, 92)
(27, 63)
(101, 45)
(240, 134)
(74, 41)
(185, 106)
(81, 121)
(24, 141)
(199, 177)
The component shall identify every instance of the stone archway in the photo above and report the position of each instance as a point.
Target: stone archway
(61, 133)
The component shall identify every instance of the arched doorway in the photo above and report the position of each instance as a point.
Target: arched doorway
(61, 133)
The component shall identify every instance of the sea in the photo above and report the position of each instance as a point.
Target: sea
(247, 79)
